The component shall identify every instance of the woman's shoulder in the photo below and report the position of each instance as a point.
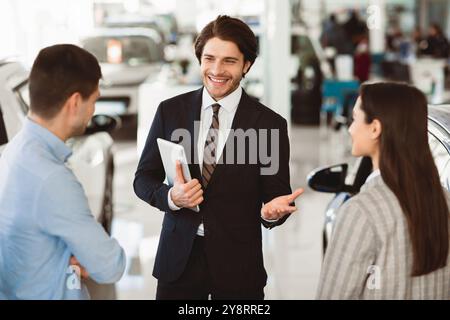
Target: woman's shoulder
(374, 204)
(373, 194)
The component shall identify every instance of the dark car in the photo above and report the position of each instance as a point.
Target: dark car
(306, 94)
(345, 184)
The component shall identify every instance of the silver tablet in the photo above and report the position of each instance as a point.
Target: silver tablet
(170, 153)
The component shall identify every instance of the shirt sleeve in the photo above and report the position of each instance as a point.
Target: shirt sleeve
(64, 213)
(270, 220)
(172, 205)
(349, 256)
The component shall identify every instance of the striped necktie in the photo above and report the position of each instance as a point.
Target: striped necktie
(209, 153)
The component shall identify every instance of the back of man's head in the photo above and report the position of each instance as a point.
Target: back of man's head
(58, 72)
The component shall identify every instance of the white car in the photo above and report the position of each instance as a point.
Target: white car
(92, 159)
(128, 57)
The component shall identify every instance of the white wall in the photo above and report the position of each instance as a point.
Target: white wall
(276, 26)
(29, 25)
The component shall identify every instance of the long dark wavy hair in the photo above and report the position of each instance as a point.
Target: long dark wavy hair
(408, 169)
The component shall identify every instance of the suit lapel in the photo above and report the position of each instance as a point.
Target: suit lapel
(193, 109)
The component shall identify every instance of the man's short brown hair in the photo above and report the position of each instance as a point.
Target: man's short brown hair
(229, 29)
(58, 72)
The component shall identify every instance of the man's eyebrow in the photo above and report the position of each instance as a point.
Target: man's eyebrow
(207, 55)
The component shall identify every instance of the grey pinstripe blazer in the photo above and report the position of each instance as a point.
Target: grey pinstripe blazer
(370, 255)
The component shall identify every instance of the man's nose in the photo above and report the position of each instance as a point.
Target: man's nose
(217, 68)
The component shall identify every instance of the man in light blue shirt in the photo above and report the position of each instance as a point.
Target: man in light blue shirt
(44, 214)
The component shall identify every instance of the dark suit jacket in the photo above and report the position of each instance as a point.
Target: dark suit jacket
(231, 210)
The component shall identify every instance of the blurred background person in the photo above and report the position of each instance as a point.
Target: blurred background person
(436, 43)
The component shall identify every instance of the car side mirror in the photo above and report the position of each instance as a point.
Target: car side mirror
(103, 123)
(329, 179)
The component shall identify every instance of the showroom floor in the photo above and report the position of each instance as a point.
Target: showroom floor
(292, 251)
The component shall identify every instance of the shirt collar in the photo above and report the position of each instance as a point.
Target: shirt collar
(374, 179)
(229, 103)
(373, 175)
(57, 147)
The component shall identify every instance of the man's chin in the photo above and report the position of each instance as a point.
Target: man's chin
(219, 94)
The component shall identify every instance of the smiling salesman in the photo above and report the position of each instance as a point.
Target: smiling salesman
(217, 251)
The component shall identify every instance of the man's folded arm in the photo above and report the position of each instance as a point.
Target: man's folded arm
(64, 213)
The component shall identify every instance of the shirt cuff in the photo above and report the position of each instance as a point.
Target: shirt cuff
(272, 220)
(172, 205)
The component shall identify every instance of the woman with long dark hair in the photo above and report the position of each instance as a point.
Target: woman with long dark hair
(391, 241)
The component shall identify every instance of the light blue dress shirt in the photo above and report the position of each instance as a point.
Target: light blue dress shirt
(44, 219)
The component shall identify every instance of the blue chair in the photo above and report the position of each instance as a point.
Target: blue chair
(334, 93)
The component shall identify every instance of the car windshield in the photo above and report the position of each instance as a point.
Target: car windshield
(132, 50)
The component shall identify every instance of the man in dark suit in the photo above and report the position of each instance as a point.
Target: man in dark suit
(217, 251)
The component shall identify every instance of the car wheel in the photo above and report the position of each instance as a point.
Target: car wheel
(108, 207)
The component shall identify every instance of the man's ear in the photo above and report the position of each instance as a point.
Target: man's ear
(247, 66)
(376, 129)
(73, 103)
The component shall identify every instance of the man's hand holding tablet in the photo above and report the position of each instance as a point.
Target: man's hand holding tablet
(186, 192)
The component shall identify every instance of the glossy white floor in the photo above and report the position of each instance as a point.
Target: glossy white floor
(292, 252)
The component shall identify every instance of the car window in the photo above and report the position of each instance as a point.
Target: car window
(132, 50)
(3, 134)
(441, 159)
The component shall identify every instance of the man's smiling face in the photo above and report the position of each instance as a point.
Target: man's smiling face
(222, 67)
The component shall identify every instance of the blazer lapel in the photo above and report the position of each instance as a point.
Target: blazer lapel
(193, 109)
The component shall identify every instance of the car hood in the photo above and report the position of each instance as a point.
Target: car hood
(125, 75)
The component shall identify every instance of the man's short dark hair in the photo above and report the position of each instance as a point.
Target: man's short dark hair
(229, 29)
(58, 72)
